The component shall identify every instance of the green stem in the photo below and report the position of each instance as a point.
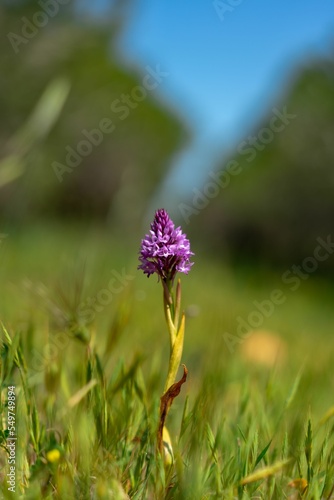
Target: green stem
(177, 304)
(176, 333)
(175, 355)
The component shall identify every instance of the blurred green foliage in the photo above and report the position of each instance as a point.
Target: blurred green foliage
(280, 198)
(274, 208)
(88, 398)
(115, 179)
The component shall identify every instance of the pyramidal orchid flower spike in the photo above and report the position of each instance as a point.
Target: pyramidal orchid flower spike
(165, 250)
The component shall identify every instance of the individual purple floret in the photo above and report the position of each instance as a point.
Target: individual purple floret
(165, 250)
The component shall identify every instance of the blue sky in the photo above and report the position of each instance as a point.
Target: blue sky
(225, 68)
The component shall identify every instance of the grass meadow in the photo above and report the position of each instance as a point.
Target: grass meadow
(84, 343)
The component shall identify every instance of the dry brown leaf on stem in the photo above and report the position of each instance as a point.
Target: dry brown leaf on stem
(166, 402)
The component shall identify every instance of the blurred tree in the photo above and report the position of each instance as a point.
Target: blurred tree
(112, 142)
(280, 198)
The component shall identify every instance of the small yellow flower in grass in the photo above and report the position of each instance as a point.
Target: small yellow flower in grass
(53, 456)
